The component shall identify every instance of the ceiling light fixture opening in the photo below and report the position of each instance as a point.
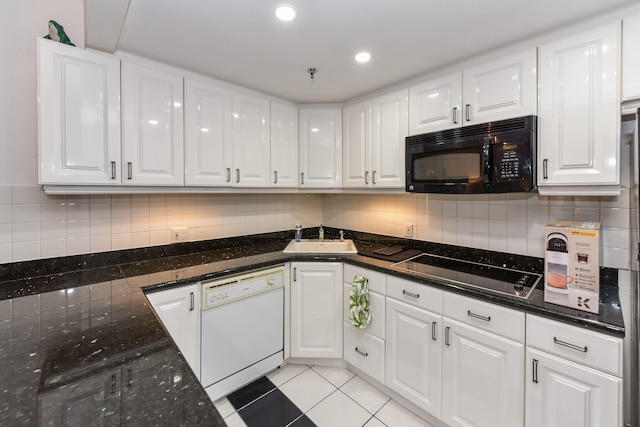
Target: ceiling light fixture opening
(285, 13)
(363, 57)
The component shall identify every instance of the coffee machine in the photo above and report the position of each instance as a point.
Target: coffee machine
(556, 262)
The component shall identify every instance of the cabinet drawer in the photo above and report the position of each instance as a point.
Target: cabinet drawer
(590, 348)
(486, 316)
(364, 351)
(415, 294)
(377, 281)
(376, 327)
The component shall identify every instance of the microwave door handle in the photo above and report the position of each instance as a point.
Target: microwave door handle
(486, 160)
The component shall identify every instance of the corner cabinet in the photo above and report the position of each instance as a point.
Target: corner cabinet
(73, 84)
(316, 309)
(320, 148)
(579, 113)
(499, 87)
(284, 145)
(179, 311)
(373, 142)
(152, 120)
(208, 134)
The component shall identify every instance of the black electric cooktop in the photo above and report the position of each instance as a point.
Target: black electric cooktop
(493, 279)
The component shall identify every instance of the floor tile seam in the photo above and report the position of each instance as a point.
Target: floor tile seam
(322, 400)
(299, 416)
(379, 409)
(295, 376)
(326, 379)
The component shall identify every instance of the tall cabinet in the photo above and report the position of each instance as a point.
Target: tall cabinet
(73, 84)
(251, 140)
(320, 147)
(579, 113)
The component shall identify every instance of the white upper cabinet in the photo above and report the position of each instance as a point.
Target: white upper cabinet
(374, 132)
(500, 87)
(631, 57)
(320, 148)
(78, 115)
(284, 145)
(153, 146)
(435, 104)
(579, 113)
(208, 134)
(251, 141)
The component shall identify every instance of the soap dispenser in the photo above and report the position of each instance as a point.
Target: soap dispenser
(298, 232)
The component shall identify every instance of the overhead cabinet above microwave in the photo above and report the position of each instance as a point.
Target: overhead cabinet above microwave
(500, 87)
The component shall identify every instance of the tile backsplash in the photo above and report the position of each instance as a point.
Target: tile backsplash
(36, 225)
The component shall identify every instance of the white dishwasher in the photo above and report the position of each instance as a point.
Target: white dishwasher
(242, 333)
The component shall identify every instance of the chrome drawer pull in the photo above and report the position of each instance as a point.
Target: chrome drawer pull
(366, 177)
(373, 177)
(478, 316)
(569, 345)
(193, 302)
(113, 170)
(433, 330)
(455, 115)
(535, 371)
(446, 335)
(410, 294)
(364, 353)
(228, 174)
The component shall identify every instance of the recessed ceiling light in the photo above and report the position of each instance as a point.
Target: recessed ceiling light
(284, 12)
(363, 57)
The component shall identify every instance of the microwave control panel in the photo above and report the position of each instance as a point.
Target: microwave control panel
(507, 165)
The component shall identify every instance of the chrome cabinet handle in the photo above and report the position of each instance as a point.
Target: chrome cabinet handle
(446, 335)
(478, 316)
(535, 370)
(373, 177)
(455, 115)
(545, 164)
(467, 111)
(410, 294)
(302, 178)
(366, 177)
(294, 274)
(228, 174)
(364, 353)
(433, 330)
(275, 177)
(113, 170)
(193, 302)
(569, 345)
(237, 175)
(129, 170)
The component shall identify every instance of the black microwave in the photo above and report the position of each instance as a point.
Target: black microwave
(495, 157)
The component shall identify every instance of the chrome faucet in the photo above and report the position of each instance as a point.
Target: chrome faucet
(341, 236)
(321, 233)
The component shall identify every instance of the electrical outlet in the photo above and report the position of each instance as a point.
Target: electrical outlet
(180, 234)
(408, 230)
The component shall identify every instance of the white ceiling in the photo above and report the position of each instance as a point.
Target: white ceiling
(241, 41)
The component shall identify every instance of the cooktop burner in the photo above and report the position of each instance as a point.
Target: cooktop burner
(494, 279)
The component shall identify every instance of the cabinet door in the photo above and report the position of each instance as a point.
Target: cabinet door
(316, 310)
(78, 115)
(356, 151)
(208, 134)
(414, 354)
(179, 311)
(389, 124)
(566, 394)
(320, 148)
(435, 104)
(500, 88)
(579, 112)
(153, 147)
(631, 57)
(94, 401)
(284, 145)
(251, 141)
(483, 378)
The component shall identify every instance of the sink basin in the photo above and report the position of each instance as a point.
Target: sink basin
(313, 246)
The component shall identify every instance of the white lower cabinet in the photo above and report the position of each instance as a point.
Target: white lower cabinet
(482, 380)
(316, 309)
(414, 354)
(179, 311)
(573, 376)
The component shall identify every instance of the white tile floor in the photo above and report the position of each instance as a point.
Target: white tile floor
(332, 397)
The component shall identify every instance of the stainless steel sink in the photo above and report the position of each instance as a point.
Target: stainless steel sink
(314, 246)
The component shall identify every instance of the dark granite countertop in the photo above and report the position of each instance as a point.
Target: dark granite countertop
(78, 338)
